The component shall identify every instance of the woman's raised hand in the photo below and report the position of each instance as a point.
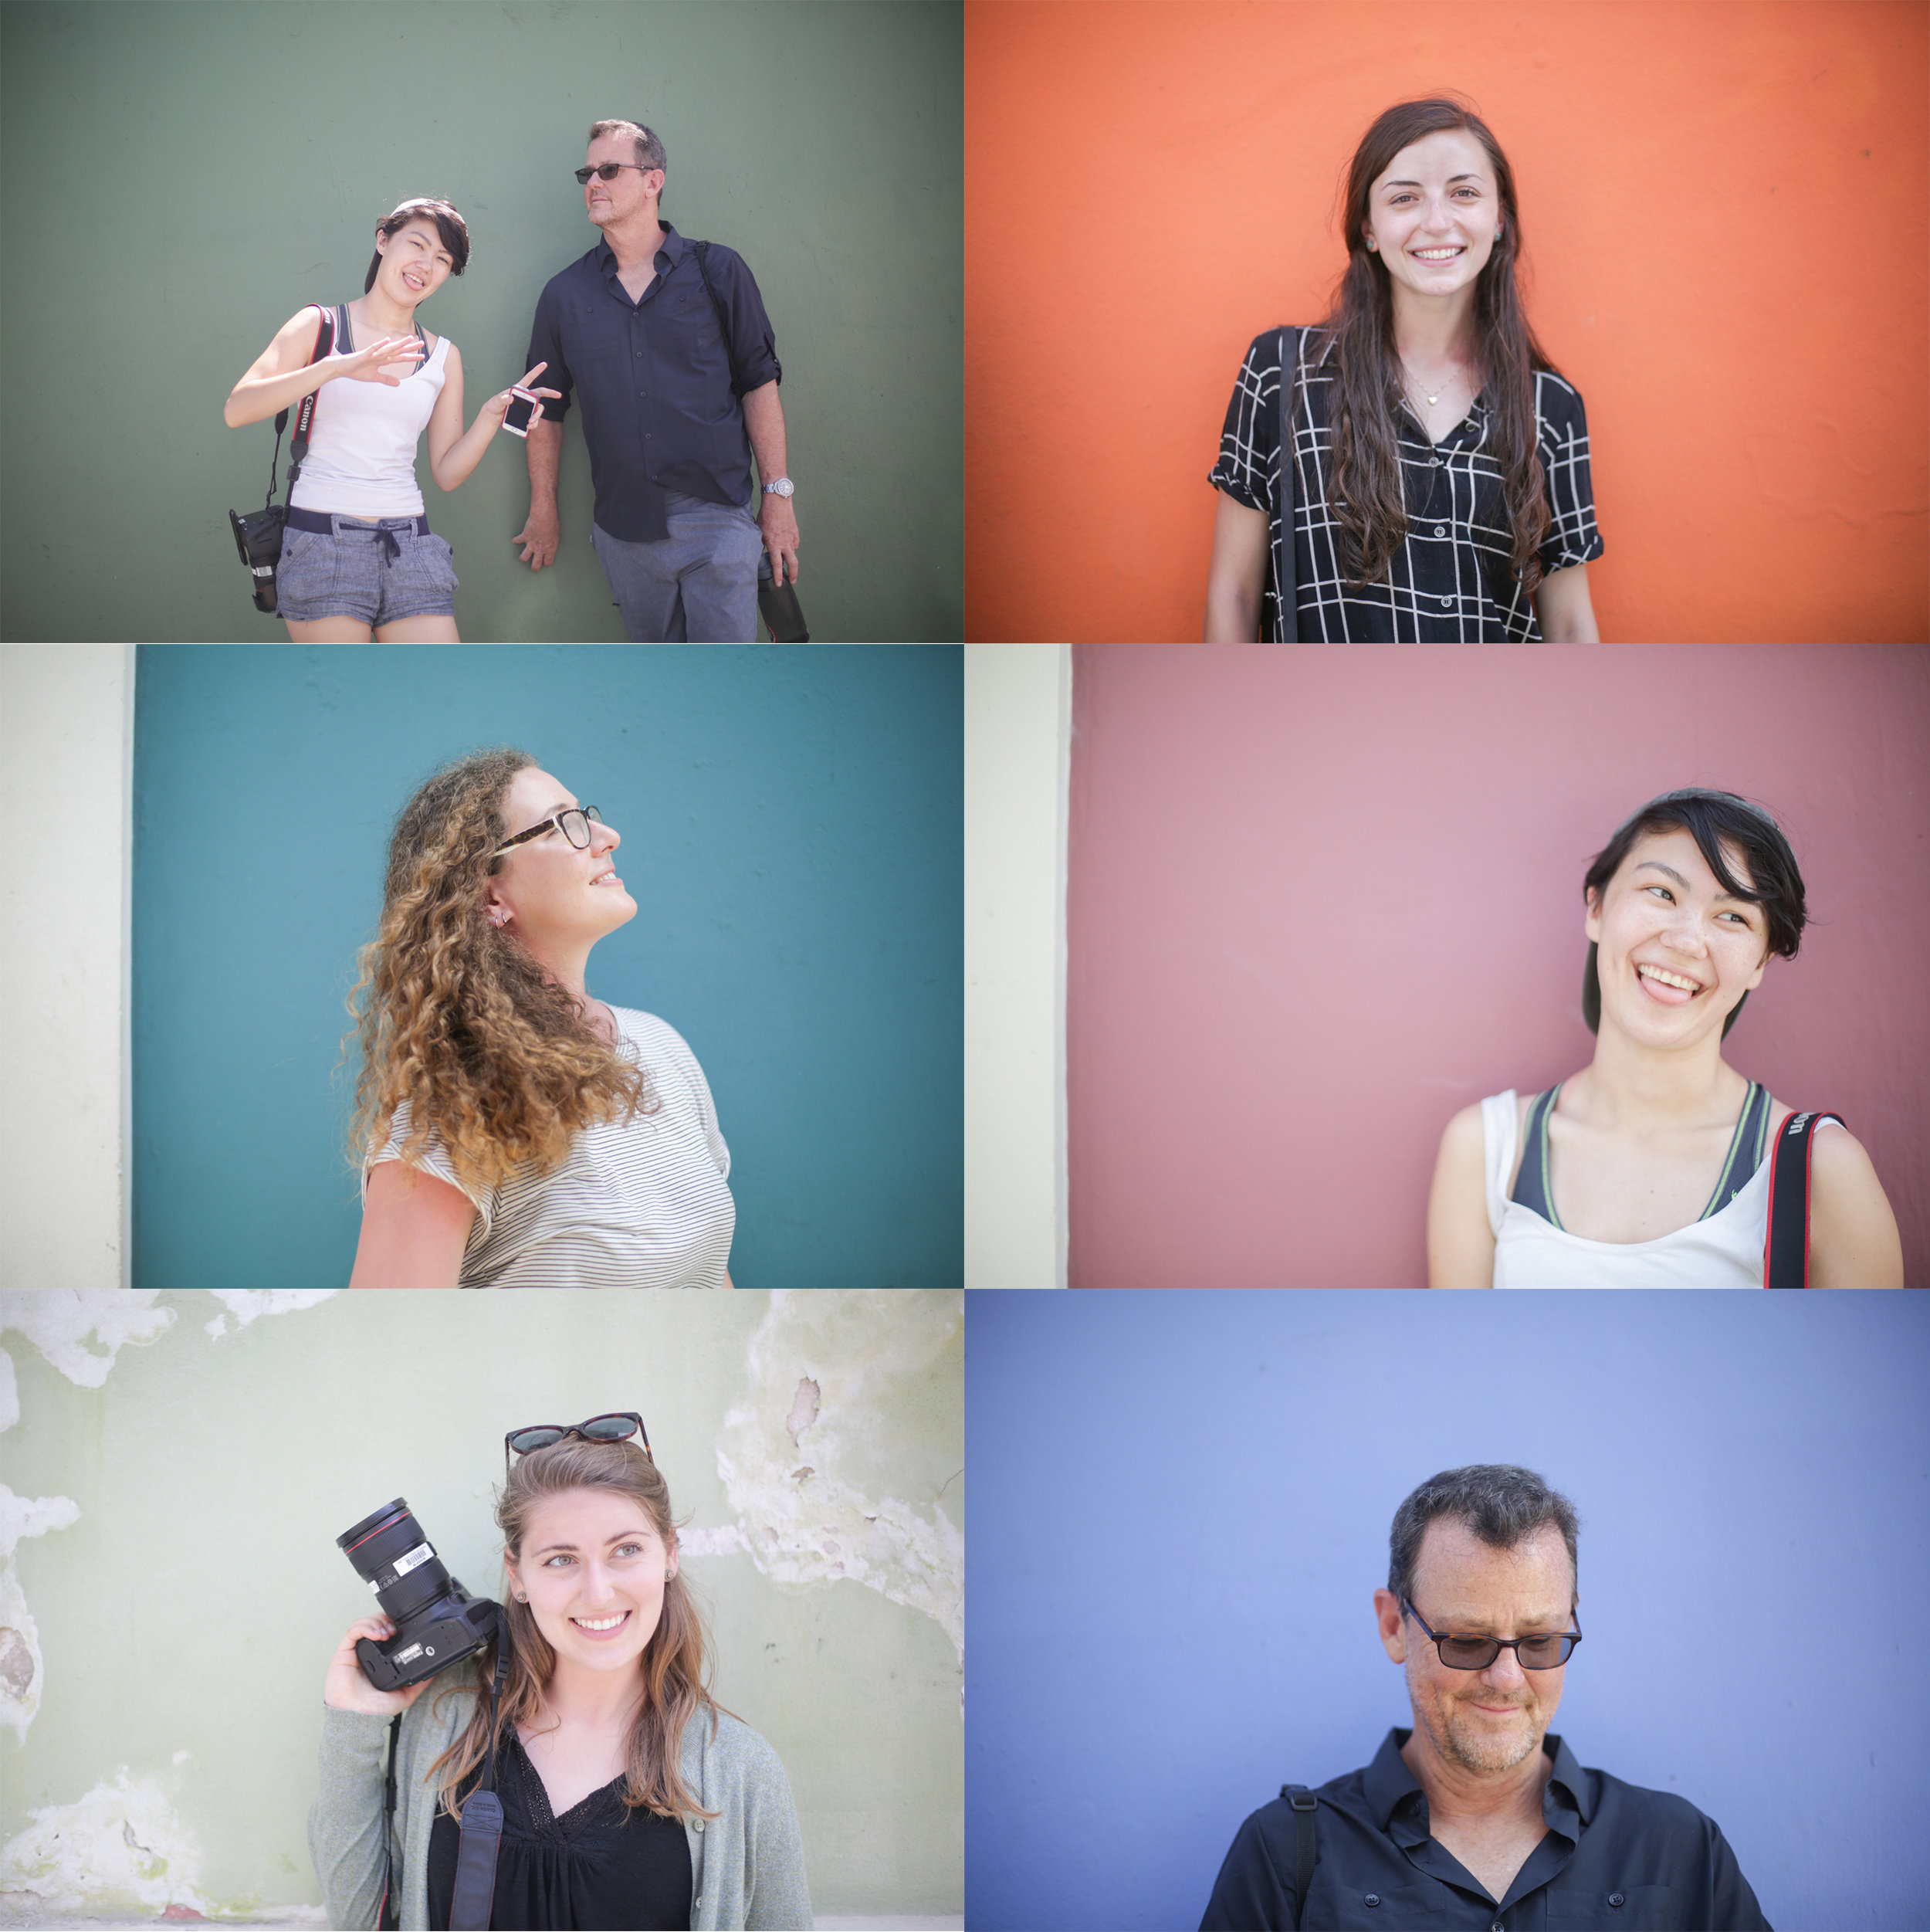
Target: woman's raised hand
(346, 1689)
(366, 364)
(497, 407)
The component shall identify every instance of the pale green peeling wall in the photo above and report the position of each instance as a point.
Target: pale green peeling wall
(176, 1503)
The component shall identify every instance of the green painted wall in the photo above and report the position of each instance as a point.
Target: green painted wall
(181, 177)
(186, 1601)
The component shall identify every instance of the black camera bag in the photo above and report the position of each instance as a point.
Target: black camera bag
(258, 536)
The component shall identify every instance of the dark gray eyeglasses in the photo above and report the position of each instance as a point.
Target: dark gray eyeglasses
(574, 825)
(607, 171)
(1476, 1653)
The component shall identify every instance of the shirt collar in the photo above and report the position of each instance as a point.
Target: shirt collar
(1389, 1782)
(672, 251)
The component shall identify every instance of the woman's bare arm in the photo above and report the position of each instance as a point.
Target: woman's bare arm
(1563, 609)
(1460, 1244)
(414, 1229)
(282, 375)
(1853, 1242)
(1237, 575)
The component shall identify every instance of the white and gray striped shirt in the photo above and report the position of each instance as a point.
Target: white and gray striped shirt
(642, 1203)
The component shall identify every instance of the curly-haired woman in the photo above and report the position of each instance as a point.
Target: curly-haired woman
(358, 558)
(1441, 473)
(629, 1798)
(514, 1131)
(1651, 1167)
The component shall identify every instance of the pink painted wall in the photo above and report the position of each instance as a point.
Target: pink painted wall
(1321, 897)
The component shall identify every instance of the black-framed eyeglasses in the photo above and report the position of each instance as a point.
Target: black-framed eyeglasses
(607, 171)
(1476, 1653)
(574, 825)
(618, 1428)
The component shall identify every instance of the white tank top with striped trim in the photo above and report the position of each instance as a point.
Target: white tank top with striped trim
(361, 445)
(1723, 1251)
(642, 1203)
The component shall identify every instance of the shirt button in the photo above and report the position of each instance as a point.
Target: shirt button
(1433, 463)
(1616, 1898)
(1441, 530)
(1372, 1898)
(1447, 603)
(698, 1823)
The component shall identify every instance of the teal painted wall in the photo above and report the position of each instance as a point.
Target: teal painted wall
(793, 834)
(180, 178)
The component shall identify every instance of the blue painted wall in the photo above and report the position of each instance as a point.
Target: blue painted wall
(1181, 1504)
(792, 834)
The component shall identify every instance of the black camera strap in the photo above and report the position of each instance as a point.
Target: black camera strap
(1785, 1247)
(1304, 1804)
(472, 1896)
(385, 1916)
(304, 415)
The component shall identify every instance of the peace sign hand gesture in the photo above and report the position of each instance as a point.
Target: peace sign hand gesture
(497, 407)
(366, 364)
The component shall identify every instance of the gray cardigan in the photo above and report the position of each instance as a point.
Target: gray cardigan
(747, 1865)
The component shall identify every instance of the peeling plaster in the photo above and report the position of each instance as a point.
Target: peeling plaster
(57, 1321)
(246, 1304)
(821, 1365)
(20, 1663)
(121, 1846)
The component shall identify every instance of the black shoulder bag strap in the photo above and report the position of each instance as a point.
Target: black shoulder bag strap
(472, 1896)
(304, 415)
(1786, 1249)
(702, 251)
(1305, 1805)
(1284, 587)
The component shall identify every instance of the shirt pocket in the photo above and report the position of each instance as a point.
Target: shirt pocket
(595, 342)
(1615, 1908)
(1374, 1908)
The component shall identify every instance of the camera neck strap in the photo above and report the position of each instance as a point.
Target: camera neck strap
(1785, 1245)
(472, 1896)
(304, 415)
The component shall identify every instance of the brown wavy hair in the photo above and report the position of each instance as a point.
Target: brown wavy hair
(672, 1664)
(459, 1020)
(1372, 514)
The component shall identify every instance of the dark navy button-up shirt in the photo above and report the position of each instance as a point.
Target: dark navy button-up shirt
(660, 409)
(1616, 1859)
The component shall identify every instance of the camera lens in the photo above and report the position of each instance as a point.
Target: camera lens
(396, 1561)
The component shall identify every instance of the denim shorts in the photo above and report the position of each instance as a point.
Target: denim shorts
(377, 573)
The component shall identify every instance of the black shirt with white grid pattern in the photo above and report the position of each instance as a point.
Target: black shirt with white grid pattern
(1450, 581)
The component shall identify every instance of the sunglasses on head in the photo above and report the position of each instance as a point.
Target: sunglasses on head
(598, 1429)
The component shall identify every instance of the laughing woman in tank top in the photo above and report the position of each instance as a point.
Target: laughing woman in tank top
(358, 558)
(1647, 1169)
(512, 1130)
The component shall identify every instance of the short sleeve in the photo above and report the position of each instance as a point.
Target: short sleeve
(754, 344)
(431, 1158)
(546, 346)
(665, 1043)
(1254, 1891)
(1250, 440)
(1562, 432)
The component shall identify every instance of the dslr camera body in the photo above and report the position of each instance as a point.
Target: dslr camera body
(437, 1622)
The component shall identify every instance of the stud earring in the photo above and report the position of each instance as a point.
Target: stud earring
(499, 916)
(1372, 242)
(521, 1597)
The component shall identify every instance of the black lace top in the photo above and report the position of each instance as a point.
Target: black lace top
(598, 1867)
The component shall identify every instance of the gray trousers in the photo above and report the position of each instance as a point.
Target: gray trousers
(698, 585)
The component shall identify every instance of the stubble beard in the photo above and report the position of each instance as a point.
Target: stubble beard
(1461, 1739)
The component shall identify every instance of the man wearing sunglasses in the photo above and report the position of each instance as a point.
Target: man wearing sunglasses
(674, 360)
(1477, 1820)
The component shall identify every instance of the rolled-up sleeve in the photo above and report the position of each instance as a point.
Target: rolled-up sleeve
(754, 344)
(546, 346)
(1561, 439)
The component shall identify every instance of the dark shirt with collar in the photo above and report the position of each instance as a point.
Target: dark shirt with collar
(1616, 1859)
(660, 407)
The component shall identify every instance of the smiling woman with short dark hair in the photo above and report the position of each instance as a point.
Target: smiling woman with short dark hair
(1651, 1168)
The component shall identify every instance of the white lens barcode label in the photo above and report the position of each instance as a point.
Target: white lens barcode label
(415, 1558)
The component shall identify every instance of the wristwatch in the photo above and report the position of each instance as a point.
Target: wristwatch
(781, 487)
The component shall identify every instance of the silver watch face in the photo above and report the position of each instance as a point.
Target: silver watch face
(783, 486)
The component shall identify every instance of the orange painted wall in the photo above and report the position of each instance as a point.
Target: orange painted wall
(1726, 204)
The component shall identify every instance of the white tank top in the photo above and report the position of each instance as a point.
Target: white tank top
(1725, 1251)
(362, 448)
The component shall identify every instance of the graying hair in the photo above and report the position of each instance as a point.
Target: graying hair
(1503, 1504)
(649, 149)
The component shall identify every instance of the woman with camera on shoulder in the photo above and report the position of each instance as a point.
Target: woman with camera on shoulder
(512, 1131)
(358, 558)
(1656, 1165)
(629, 1798)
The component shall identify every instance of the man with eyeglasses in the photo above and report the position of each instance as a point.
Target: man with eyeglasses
(1476, 1820)
(676, 366)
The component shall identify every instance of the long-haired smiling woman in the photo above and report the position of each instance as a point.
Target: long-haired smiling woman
(1439, 468)
(629, 1798)
(514, 1131)
(358, 558)
(1650, 1167)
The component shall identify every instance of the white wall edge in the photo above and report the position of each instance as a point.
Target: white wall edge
(129, 655)
(1017, 754)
